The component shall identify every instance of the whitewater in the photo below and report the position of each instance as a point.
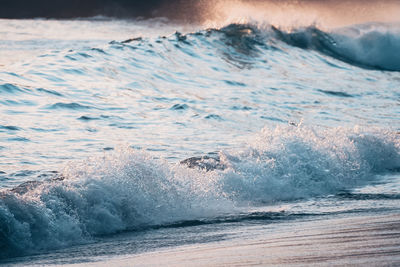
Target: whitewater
(119, 137)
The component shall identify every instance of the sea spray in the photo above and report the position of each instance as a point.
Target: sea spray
(124, 190)
(291, 162)
(129, 189)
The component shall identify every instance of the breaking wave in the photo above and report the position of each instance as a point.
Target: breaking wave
(129, 189)
(370, 46)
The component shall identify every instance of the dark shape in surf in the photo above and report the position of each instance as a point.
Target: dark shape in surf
(31, 185)
(204, 163)
(335, 93)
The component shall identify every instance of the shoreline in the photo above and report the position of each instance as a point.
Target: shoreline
(356, 241)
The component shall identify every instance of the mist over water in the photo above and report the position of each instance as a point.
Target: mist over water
(327, 14)
(219, 112)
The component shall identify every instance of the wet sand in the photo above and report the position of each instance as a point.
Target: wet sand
(351, 241)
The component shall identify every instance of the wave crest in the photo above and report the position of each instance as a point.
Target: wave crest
(300, 162)
(370, 46)
(127, 189)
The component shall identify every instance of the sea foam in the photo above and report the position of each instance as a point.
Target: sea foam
(129, 189)
(287, 163)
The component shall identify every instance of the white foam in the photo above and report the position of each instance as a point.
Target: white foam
(373, 44)
(129, 189)
(298, 162)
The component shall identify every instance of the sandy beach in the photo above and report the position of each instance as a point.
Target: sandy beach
(351, 241)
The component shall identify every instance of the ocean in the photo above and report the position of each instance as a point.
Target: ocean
(120, 137)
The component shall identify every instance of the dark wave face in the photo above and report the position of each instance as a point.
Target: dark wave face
(368, 46)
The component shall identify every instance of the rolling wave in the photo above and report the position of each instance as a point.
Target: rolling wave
(371, 46)
(129, 189)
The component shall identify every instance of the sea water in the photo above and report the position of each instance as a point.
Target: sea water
(97, 117)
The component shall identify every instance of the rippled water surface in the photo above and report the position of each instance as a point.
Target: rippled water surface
(184, 94)
(104, 110)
